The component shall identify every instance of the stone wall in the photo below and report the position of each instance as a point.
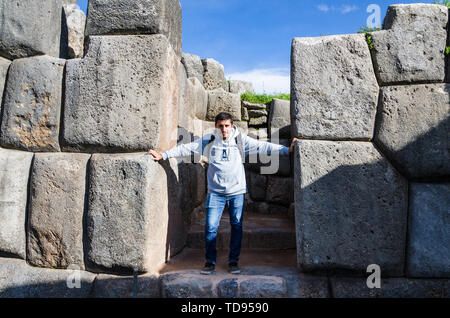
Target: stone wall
(372, 167)
(80, 201)
(77, 189)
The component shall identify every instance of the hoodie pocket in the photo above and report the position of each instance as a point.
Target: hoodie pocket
(225, 179)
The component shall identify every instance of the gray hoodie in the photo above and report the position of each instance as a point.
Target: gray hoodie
(226, 173)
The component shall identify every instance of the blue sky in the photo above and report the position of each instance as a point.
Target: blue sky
(252, 38)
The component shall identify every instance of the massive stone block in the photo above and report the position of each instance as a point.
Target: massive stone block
(197, 183)
(240, 87)
(256, 185)
(412, 129)
(404, 52)
(390, 288)
(186, 110)
(113, 286)
(127, 218)
(57, 201)
(32, 104)
(350, 208)
(280, 190)
(199, 98)
(193, 65)
(334, 91)
(136, 17)
(29, 28)
(429, 231)
(19, 280)
(214, 75)
(193, 104)
(191, 284)
(221, 101)
(123, 95)
(75, 23)
(179, 206)
(4, 66)
(279, 121)
(15, 170)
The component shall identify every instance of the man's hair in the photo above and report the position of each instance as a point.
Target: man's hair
(224, 116)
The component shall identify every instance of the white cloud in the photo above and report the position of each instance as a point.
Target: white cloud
(268, 81)
(346, 9)
(323, 7)
(343, 9)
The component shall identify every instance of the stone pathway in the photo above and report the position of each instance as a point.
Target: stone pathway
(268, 264)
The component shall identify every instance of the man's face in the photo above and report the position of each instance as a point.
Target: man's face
(225, 127)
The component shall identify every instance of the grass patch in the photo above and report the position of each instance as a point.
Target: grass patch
(443, 2)
(263, 98)
(366, 32)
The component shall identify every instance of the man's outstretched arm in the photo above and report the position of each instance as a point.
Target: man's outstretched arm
(254, 146)
(182, 150)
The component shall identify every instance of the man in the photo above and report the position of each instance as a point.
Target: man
(225, 149)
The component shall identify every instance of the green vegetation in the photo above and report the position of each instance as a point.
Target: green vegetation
(443, 2)
(263, 98)
(447, 50)
(366, 32)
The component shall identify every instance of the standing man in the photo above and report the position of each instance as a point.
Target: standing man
(225, 149)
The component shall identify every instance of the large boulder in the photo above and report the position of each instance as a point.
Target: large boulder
(19, 280)
(263, 287)
(412, 129)
(334, 91)
(279, 121)
(190, 284)
(128, 214)
(75, 22)
(273, 163)
(113, 286)
(256, 185)
(13, 200)
(197, 183)
(4, 66)
(429, 230)
(222, 101)
(121, 97)
(214, 75)
(186, 285)
(186, 109)
(404, 52)
(257, 121)
(29, 28)
(349, 287)
(32, 104)
(280, 190)
(350, 208)
(199, 98)
(240, 87)
(193, 65)
(57, 201)
(136, 17)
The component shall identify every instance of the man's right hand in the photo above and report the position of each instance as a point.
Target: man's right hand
(156, 155)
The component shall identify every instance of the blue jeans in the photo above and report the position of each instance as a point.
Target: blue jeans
(215, 204)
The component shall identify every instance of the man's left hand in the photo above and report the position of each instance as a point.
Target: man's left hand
(291, 148)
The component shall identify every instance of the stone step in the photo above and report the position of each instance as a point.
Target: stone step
(264, 273)
(261, 231)
(192, 284)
